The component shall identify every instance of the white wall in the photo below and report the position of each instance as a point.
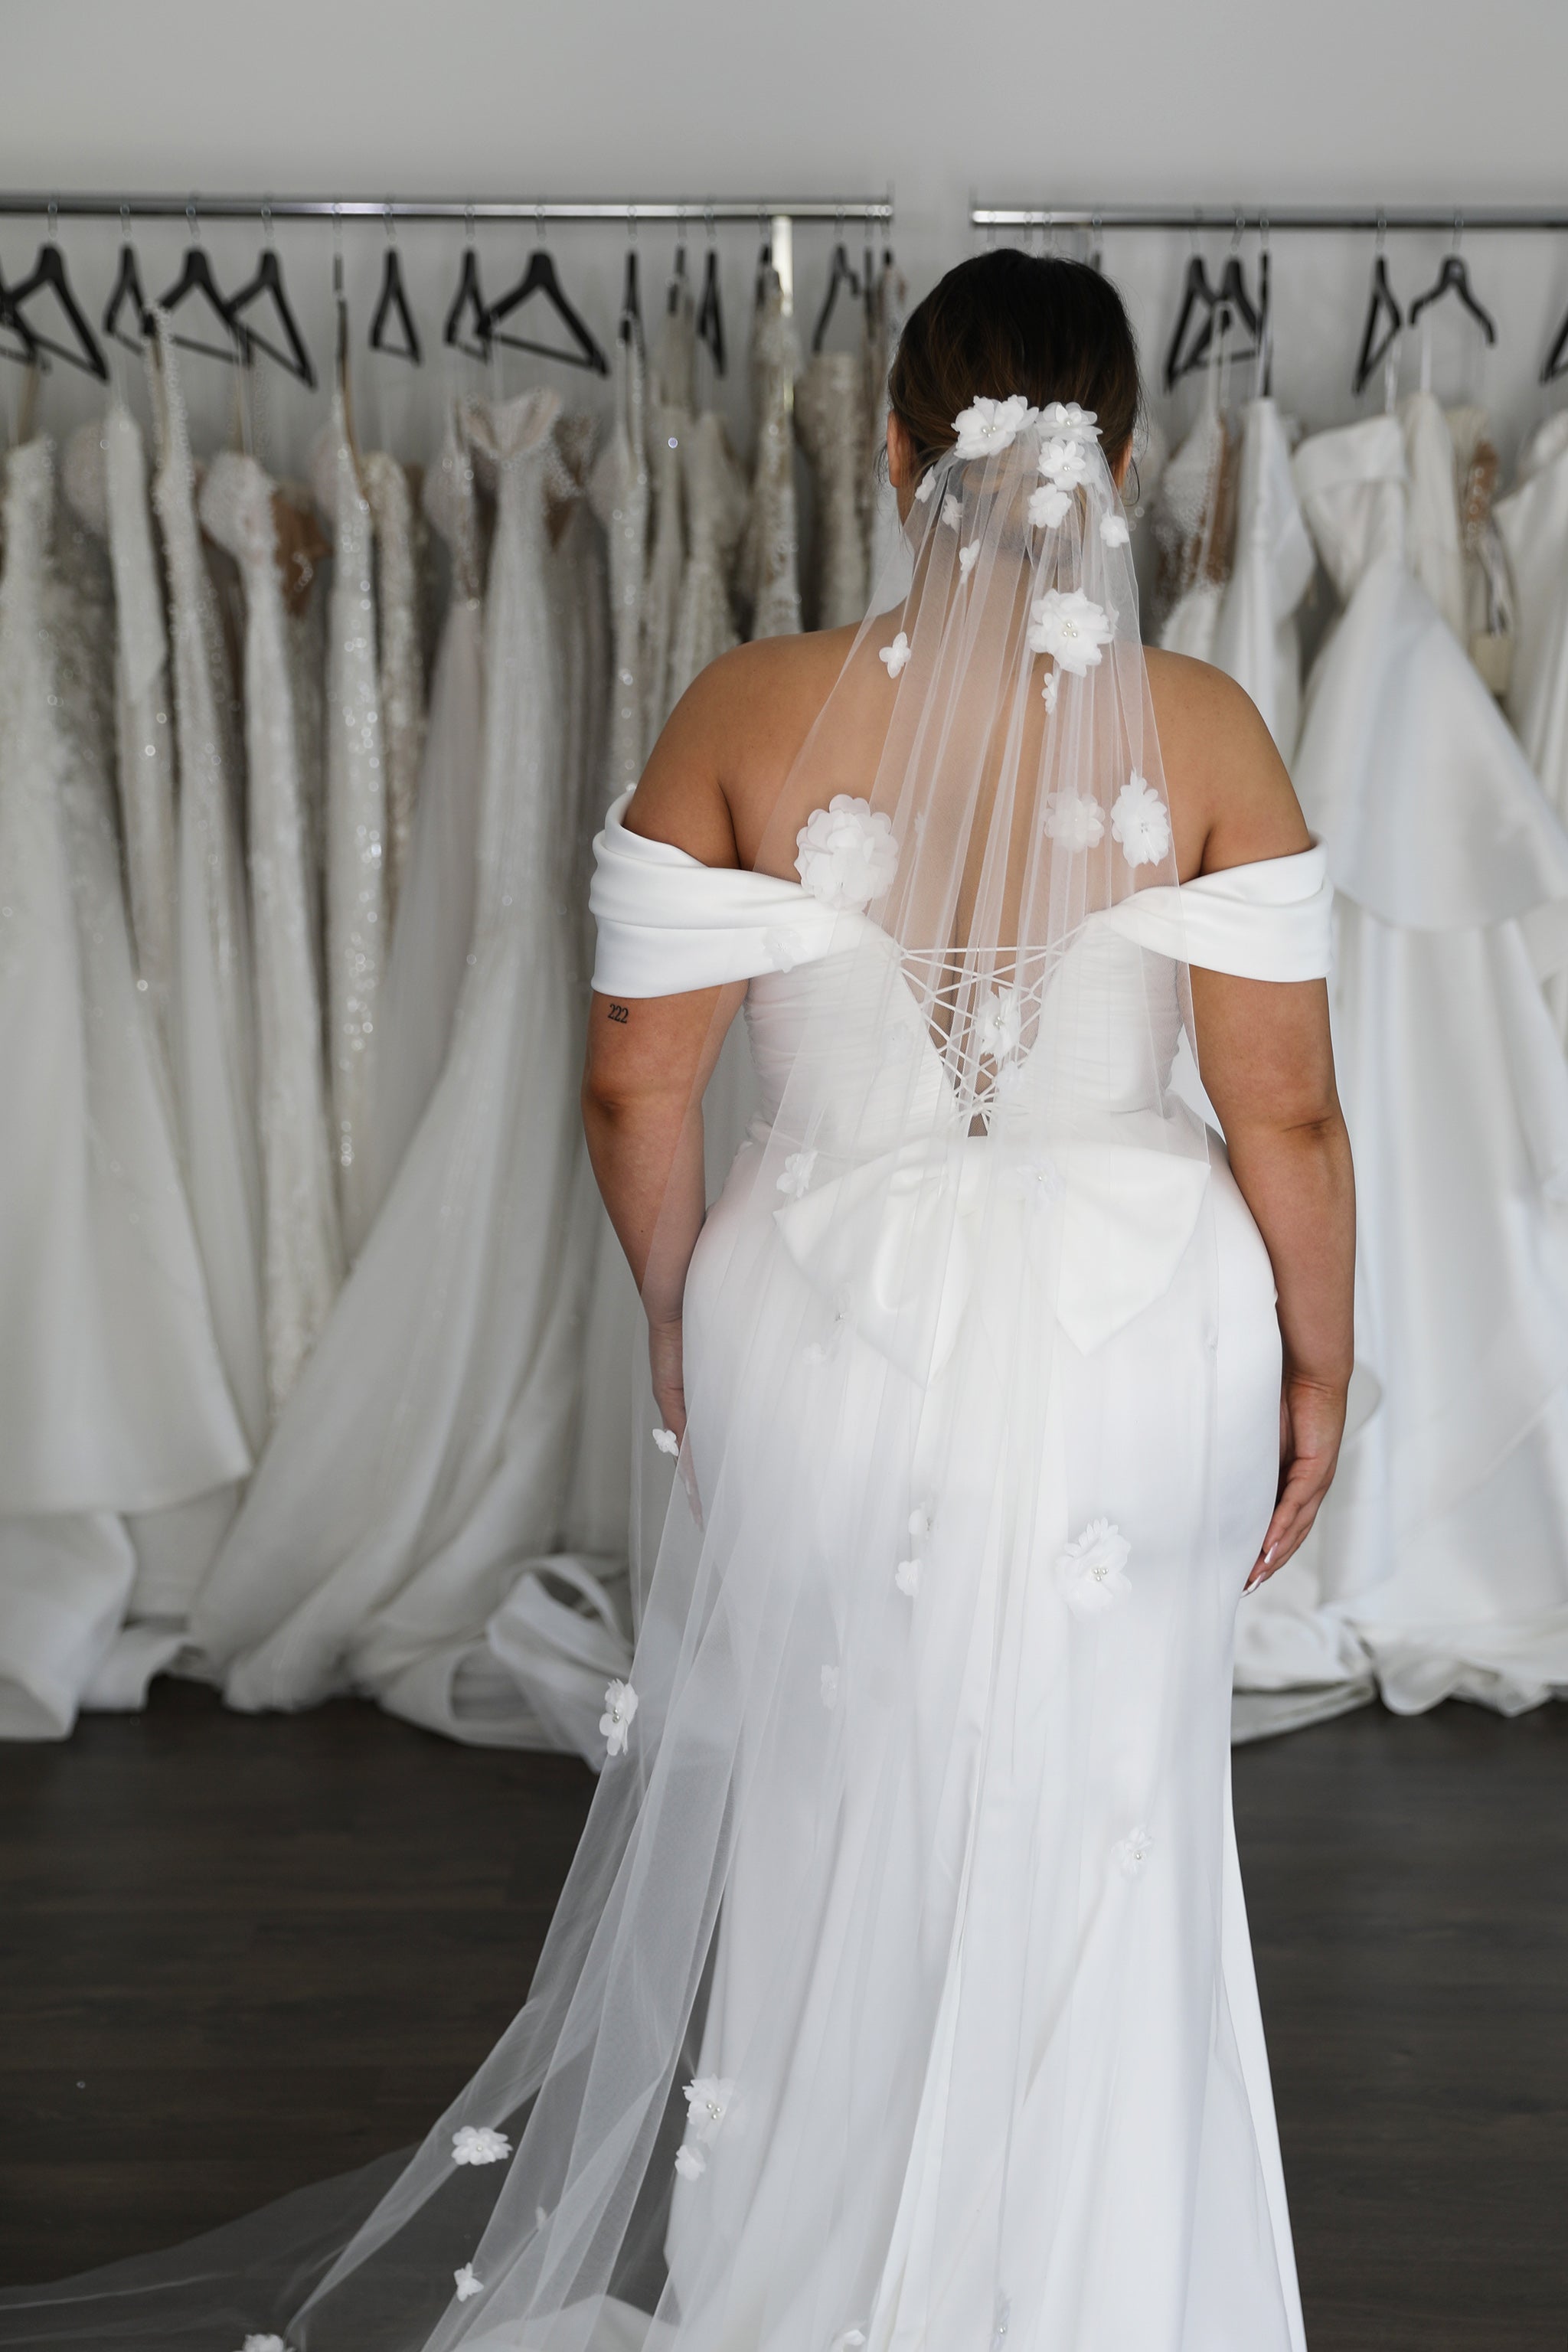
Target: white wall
(1350, 100)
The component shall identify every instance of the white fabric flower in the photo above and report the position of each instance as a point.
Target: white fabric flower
(988, 426)
(922, 1520)
(967, 558)
(846, 855)
(1047, 505)
(1090, 1571)
(666, 1442)
(1064, 420)
(850, 2339)
(1070, 627)
(1140, 822)
(708, 2101)
(796, 1177)
(476, 2144)
(265, 2344)
(1074, 819)
(690, 2163)
(1113, 529)
(896, 656)
(829, 1686)
(925, 486)
(1132, 1851)
(1001, 1025)
(950, 511)
(907, 1577)
(620, 1706)
(1065, 463)
(788, 947)
(468, 2283)
(1049, 693)
(1038, 1183)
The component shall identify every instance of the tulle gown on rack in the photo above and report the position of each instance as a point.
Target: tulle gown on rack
(1440, 1560)
(417, 1476)
(112, 1394)
(1533, 521)
(770, 552)
(830, 420)
(399, 559)
(1256, 639)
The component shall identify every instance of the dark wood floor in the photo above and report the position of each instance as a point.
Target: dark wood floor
(237, 1955)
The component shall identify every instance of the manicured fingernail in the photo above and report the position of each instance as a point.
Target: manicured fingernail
(1270, 1554)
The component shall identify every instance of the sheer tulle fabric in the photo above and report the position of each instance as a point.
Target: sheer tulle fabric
(899, 1993)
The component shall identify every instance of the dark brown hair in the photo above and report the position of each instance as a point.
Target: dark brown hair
(1007, 321)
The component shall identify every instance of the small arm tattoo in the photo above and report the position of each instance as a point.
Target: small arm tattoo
(618, 1012)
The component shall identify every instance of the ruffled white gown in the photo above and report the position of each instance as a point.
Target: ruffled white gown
(356, 825)
(431, 936)
(1533, 521)
(112, 1394)
(416, 1484)
(302, 1247)
(1439, 1564)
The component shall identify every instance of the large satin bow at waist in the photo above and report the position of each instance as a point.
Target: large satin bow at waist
(890, 1243)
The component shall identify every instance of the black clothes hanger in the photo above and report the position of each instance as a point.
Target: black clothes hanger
(267, 286)
(841, 272)
(678, 285)
(49, 275)
(1199, 298)
(1556, 363)
(468, 313)
(1454, 278)
(29, 356)
(196, 278)
(1383, 322)
(392, 310)
(540, 277)
(631, 300)
(127, 288)
(711, 307)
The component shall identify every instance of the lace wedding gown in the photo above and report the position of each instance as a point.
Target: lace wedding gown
(717, 505)
(418, 1474)
(112, 1394)
(830, 420)
(621, 494)
(769, 554)
(356, 824)
(399, 550)
(429, 953)
(1533, 521)
(302, 1259)
(674, 390)
(1439, 1562)
(1194, 523)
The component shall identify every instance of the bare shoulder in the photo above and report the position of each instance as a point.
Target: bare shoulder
(717, 768)
(1231, 797)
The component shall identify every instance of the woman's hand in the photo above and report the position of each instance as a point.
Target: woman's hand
(665, 1362)
(1311, 1423)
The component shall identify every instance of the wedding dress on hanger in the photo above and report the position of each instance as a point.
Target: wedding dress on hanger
(717, 504)
(1194, 523)
(105, 479)
(399, 548)
(674, 391)
(620, 493)
(214, 1052)
(112, 1394)
(1256, 639)
(770, 552)
(302, 1249)
(1533, 521)
(1441, 1560)
(357, 824)
(884, 325)
(418, 1473)
(830, 422)
(428, 957)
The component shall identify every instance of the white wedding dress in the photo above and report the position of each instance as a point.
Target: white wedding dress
(399, 552)
(770, 552)
(1439, 1563)
(717, 504)
(415, 1483)
(302, 1247)
(356, 824)
(113, 1398)
(621, 494)
(428, 957)
(1533, 522)
(673, 390)
(830, 422)
(1255, 640)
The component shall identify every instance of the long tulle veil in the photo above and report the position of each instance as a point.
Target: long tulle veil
(764, 2091)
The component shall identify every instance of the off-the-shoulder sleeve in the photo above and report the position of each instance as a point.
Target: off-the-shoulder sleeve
(666, 923)
(1271, 920)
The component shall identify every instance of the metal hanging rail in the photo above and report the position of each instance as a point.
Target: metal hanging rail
(1455, 219)
(628, 210)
